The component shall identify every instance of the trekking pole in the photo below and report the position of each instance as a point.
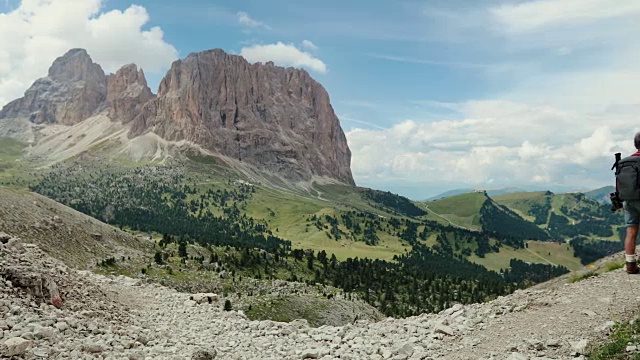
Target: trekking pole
(618, 157)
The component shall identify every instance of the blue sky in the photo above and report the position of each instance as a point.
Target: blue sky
(433, 95)
(363, 85)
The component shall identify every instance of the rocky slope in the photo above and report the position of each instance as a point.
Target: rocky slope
(117, 317)
(275, 119)
(62, 232)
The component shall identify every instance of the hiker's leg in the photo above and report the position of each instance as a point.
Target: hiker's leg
(632, 219)
(630, 240)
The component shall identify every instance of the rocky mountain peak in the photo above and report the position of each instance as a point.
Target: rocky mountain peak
(127, 92)
(276, 118)
(74, 89)
(76, 65)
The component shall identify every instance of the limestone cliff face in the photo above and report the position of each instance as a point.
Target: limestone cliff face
(275, 118)
(73, 90)
(127, 92)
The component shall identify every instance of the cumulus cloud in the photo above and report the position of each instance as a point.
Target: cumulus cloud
(534, 15)
(38, 31)
(309, 45)
(495, 142)
(554, 124)
(248, 22)
(283, 55)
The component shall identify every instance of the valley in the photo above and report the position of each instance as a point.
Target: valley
(235, 180)
(317, 235)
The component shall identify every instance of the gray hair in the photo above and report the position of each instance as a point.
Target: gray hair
(636, 140)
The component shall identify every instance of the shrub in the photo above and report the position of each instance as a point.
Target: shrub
(578, 277)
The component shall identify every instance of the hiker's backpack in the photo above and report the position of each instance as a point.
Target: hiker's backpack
(628, 178)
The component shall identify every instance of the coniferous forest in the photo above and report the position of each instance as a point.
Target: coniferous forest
(424, 279)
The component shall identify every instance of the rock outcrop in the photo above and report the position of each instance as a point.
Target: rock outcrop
(277, 120)
(127, 92)
(74, 89)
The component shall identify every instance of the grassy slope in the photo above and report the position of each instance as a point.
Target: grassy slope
(286, 212)
(12, 166)
(289, 220)
(462, 210)
(521, 202)
(537, 252)
(61, 231)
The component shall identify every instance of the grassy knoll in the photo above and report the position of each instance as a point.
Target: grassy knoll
(521, 202)
(462, 210)
(536, 252)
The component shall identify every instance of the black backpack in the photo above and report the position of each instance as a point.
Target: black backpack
(628, 178)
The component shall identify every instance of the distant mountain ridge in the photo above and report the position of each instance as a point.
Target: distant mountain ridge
(601, 195)
(489, 191)
(275, 119)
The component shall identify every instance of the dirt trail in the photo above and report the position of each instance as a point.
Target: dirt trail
(580, 311)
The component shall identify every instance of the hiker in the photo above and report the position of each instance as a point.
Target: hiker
(628, 190)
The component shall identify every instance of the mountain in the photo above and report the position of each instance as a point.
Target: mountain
(276, 120)
(489, 191)
(478, 211)
(453, 192)
(74, 90)
(601, 195)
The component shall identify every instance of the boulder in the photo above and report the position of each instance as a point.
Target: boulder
(202, 298)
(311, 354)
(204, 355)
(17, 346)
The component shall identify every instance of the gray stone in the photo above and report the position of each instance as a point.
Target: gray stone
(204, 355)
(43, 353)
(311, 354)
(518, 356)
(404, 349)
(443, 329)
(41, 332)
(17, 346)
(94, 348)
(552, 343)
(203, 298)
(580, 346)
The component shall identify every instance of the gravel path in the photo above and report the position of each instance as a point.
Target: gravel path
(123, 318)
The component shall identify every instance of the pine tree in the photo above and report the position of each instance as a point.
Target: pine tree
(158, 258)
(182, 249)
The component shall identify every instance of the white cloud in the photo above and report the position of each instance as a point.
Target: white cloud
(309, 45)
(452, 64)
(568, 98)
(283, 55)
(495, 142)
(535, 15)
(38, 31)
(245, 20)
